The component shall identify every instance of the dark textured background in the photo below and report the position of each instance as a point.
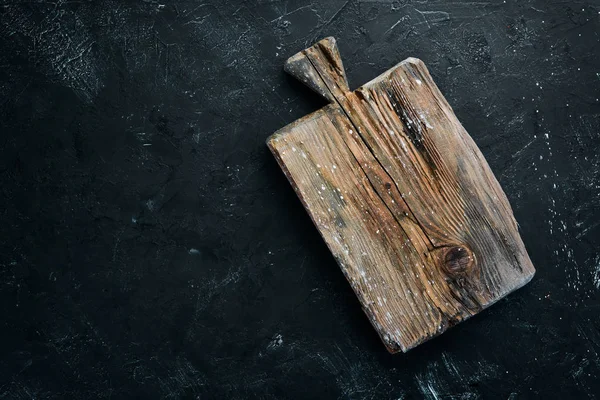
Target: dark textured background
(151, 247)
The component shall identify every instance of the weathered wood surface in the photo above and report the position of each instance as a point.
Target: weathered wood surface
(403, 198)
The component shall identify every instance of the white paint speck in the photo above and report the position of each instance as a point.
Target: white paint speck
(276, 342)
(150, 205)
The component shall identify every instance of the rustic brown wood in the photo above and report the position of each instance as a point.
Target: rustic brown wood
(403, 198)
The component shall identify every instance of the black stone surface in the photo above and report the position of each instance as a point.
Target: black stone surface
(151, 247)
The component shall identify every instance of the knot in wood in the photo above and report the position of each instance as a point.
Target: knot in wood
(458, 260)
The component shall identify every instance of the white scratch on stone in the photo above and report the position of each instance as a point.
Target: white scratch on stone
(597, 273)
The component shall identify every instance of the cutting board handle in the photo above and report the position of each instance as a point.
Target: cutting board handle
(320, 68)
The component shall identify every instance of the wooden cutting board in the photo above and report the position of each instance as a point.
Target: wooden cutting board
(403, 197)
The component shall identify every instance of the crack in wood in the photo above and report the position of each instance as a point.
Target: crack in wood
(332, 61)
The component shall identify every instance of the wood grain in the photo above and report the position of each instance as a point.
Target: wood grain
(403, 198)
